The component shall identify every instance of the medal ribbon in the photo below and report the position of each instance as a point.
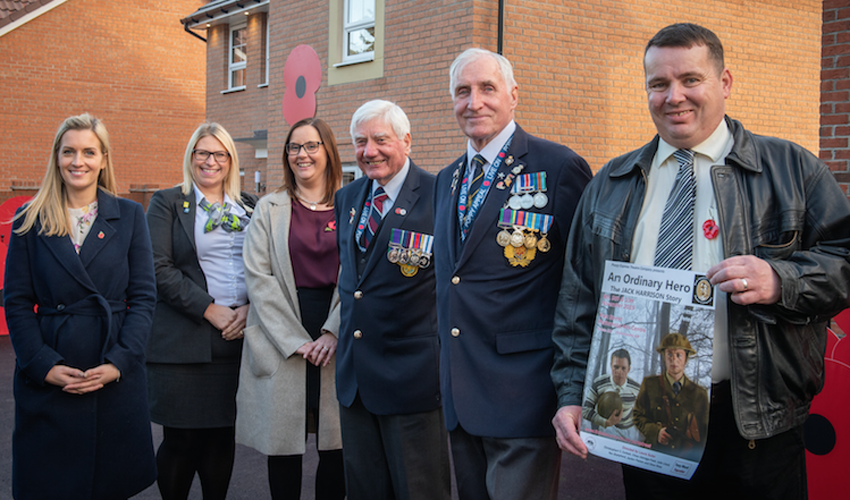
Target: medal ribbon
(527, 183)
(412, 241)
(527, 220)
(466, 214)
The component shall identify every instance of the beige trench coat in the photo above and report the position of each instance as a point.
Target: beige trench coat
(272, 398)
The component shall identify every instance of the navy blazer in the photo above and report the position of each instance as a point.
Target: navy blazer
(496, 320)
(92, 308)
(394, 362)
(180, 334)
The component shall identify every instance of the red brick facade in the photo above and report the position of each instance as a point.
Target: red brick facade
(127, 62)
(578, 65)
(835, 90)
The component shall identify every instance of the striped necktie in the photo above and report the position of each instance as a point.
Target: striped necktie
(375, 216)
(675, 248)
(478, 163)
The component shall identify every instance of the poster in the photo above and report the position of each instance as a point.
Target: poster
(646, 395)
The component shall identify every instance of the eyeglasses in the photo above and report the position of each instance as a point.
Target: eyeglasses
(310, 147)
(220, 156)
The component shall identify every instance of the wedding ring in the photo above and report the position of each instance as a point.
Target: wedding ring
(324, 348)
(744, 281)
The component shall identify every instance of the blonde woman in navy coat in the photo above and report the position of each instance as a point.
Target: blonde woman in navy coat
(79, 297)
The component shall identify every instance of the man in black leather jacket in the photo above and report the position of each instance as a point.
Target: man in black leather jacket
(772, 233)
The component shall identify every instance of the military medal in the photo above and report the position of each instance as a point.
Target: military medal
(515, 202)
(530, 240)
(392, 255)
(517, 238)
(526, 201)
(540, 200)
(503, 238)
(519, 235)
(412, 251)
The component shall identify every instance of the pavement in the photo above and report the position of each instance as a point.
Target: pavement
(594, 478)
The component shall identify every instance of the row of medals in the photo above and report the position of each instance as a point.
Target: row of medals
(406, 256)
(523, 236)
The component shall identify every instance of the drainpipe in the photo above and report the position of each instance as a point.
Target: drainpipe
(501, 35)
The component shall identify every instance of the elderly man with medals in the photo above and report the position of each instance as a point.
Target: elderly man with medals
(502, 215)
(393, 438)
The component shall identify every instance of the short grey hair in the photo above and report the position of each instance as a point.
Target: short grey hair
(390, 112)
(473, 54)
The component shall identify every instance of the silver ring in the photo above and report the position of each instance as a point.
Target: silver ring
(744, 281)
(325, 348)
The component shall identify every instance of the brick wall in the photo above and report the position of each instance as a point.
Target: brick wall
(835, 90)
(129, 63)
(578, 65)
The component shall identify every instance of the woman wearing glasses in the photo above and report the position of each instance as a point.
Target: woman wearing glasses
(286, 385)
(197, 231)
(79, 297)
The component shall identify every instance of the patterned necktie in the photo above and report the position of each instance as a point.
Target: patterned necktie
(478, 162)
(375, 216)
(677, 386)
(675, 247)
(221, 216)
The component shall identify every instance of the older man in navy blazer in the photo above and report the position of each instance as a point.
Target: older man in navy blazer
(393, 437)
(502, 215)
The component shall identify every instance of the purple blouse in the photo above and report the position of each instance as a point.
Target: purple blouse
(312, 247)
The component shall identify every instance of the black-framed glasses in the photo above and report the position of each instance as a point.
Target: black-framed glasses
(310, 147)
(220, 156)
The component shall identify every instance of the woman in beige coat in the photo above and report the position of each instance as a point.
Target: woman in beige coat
(286, 383)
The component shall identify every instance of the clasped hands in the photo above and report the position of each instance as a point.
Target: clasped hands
(76, 381)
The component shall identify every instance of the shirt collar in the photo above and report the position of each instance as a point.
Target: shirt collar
(393, 187)
(491, 150)
(714, 147)
(200, 196)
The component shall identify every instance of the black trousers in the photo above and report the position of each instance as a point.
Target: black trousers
(732, 467)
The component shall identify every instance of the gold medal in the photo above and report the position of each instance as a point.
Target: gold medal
(544, 245)
(408, 270)
(503, 238)
(530, 241)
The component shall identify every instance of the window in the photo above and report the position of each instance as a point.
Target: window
(350, 173)
(355, 40)
(358, 31)
(266, 51)
(238, 56)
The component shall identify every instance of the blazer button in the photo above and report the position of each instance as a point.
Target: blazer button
(455, 280)
(455, 332)
(60, 307)
(358, 295)
(358, 334)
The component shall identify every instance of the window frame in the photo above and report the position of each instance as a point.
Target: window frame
(349, 28)
(233, 68)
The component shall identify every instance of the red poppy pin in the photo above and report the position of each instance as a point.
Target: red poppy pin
(302, 76)
(100, 235)
(710, 229)
(331, 226)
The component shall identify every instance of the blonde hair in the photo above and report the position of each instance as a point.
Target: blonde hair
(232, 184)
(50, 204)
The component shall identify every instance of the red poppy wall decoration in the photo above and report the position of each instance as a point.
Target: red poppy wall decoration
(827, 430)
(302, 76)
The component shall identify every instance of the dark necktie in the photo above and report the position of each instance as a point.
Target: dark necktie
(677, 386)
(374, 216)
(478, 162)
(675, 248)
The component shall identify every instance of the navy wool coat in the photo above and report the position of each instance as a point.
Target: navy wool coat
(92, 308)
